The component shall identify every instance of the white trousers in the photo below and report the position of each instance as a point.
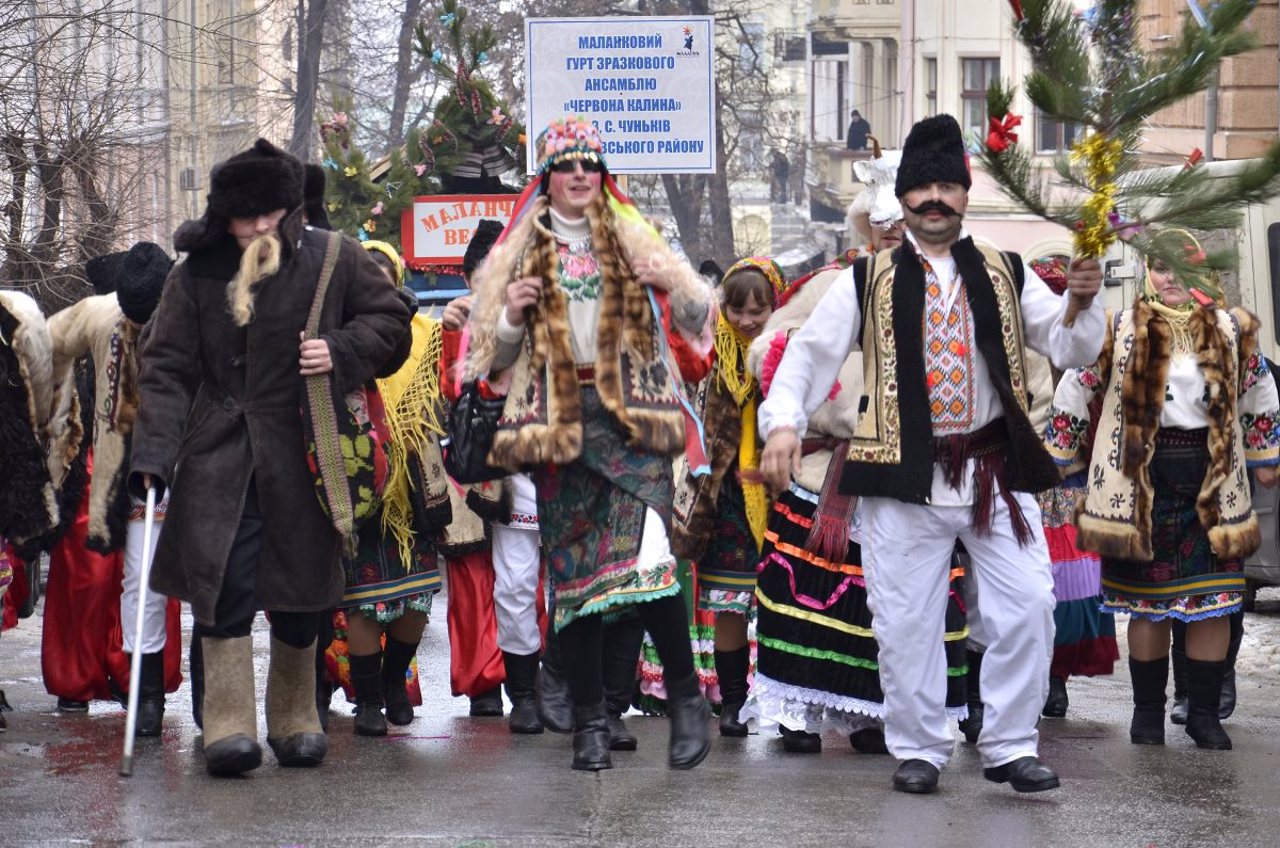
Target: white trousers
(906, 558)
(517, 562)
(153, 615)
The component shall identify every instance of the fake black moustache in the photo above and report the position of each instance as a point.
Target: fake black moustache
(933, 206)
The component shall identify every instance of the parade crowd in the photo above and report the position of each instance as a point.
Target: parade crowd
(906, 491)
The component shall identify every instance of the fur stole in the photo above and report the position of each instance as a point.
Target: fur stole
(542, 421)
(694, 509)
(96, 327)
(1115, 518)
(28, 507)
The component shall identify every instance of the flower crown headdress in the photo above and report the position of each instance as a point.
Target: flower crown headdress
(572, 137)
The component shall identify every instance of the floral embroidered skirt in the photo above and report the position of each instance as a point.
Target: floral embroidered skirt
(817, 663)
(1185, 579)
(592, 514)
(380, 585)
(1084, 641)
(727, 571)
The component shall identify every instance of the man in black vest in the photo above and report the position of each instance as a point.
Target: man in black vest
(944, 452)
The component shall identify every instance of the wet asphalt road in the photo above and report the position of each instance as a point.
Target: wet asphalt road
(456, 781)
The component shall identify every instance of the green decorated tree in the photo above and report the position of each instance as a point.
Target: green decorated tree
(469, 120)
(1089, 71)
(468, 145)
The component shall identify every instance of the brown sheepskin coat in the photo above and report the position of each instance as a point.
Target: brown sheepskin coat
(220, 407)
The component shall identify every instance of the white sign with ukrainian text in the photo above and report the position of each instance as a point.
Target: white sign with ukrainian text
(647, 83)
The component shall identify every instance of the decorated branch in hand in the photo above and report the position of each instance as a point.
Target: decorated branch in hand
(1089, 73)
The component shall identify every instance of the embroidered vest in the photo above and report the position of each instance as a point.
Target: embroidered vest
(891, 453)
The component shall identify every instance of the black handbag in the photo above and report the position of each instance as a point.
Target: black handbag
(473, 421)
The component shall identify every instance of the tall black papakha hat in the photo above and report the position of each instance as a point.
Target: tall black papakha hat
(933, 153)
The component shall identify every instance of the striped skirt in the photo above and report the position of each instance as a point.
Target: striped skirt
(817, 664)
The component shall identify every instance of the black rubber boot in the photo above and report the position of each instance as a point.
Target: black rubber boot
(555, 706)
(522, 682)
(690, 739)
(395, 674)
(1228, 705)
(620, 659)
(732, 668)
(1204, 700)
(487, 704)
(971, 727)
(366, 677)
(150, 695)
(1150, 678)
(1055, 706)
(1178, 714)
(195, 658)
(591, 739)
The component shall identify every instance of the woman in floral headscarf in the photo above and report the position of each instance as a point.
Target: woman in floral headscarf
(721, 515)
(1187, 405)
(575, 308)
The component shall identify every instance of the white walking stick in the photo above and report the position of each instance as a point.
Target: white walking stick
(135, 663)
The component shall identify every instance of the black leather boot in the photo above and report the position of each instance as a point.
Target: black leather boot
(395, 672)
(366, 677)
(555, 706)
(621, 658)
(1055, 706)
(971, 727)
(1228, 705)
(487, 704)
(522, 676)
(195, 658)
(591, 739)
(732, 668)
(690, 740)
(1204, 700)
(1150, 678)
(1178, 713)
(151, 695)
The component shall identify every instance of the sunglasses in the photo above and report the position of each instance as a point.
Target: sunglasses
(566, 166)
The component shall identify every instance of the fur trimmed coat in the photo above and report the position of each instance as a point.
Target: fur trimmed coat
(96, 327)
(220, 410)
(542, 422)
(1115, 517)
(28, 505)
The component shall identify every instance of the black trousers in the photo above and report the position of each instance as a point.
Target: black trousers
(236, 609)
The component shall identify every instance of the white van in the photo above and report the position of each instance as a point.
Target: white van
(1256, 287)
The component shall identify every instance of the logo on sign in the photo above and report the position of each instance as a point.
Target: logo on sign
(688, 43)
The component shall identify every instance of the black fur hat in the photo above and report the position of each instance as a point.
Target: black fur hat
(313, 198)
(482, 240)
(933, 153)
(259, 180)
(103, 272)
(142, 276)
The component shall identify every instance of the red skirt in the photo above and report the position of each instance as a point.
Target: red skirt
(81, 647)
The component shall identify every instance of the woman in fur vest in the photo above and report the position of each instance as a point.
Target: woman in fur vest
(564, 325)
(1188, 407)
(219, 422)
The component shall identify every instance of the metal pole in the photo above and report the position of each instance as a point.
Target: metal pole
(135, 661)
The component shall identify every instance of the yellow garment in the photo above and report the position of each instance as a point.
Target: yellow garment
(737, 381)
(412, 400)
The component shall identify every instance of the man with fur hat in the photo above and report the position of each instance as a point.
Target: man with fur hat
(943, 451)
(84, 605)
(222, 378)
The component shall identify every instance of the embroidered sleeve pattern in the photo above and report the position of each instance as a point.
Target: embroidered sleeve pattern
(1259, 406)
(1069, 416)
